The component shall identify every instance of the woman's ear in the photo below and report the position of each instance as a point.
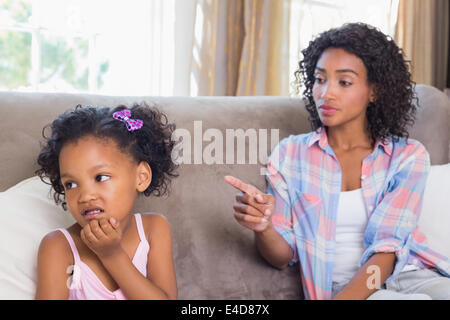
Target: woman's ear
(144, 176)
(372, 94)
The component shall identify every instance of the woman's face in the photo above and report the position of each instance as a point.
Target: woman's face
(341, 90)
(99, 180)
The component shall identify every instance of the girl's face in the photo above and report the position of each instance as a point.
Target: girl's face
(99, 180)
(341, 90)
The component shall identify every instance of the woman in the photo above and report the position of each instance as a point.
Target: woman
(344, 200)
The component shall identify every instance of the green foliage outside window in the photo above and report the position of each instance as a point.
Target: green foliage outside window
(60, 58)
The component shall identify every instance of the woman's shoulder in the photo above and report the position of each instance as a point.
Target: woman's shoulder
(302, 138)
(407, 147)
(294, 142)
(406, 155)
(292, 146)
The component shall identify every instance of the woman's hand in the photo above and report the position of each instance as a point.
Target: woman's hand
(102, 236)
(252, 208)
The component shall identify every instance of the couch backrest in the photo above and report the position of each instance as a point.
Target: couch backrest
(23, 115)
(215, 258)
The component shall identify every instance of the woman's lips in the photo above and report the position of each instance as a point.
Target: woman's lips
(327, 110)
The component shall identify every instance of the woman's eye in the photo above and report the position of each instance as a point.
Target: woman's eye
(102, 177)
(345, 83)
(319, 80)
(70, 185)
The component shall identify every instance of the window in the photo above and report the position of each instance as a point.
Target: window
(138, 47)
(87, 46)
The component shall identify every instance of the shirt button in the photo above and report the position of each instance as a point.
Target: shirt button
(363, 177)
(370, 208)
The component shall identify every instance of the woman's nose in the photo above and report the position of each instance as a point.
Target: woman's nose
(328, 91)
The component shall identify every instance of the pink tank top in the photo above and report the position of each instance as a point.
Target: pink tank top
(85, 285)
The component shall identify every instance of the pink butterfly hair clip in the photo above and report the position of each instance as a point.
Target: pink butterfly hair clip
(124, 116)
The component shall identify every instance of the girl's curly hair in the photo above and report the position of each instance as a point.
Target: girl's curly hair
(152, 143)
(393, 110)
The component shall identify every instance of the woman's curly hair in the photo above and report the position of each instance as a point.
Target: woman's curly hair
(393, 109)
(152, 143)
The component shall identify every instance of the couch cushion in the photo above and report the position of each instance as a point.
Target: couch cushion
(27, 213)
(435, 217)
(432, 126)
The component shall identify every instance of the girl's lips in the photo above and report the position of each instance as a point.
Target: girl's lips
(92, 212)
(93, 215)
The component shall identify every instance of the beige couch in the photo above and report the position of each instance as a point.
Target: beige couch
(215, 258)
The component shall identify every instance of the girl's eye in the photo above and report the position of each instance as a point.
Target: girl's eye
(346, 83)
(70, 185)
(102, 177)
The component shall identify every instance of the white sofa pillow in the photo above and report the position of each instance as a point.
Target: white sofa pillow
(27, 213)
(434, 220)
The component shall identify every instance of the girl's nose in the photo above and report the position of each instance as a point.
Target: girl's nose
(87, 194)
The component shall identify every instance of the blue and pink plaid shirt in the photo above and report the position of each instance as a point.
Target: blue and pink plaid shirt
(304, 176)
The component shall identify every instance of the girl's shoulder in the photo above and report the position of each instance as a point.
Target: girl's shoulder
(155, 225)
(55, 239)
(55, 246)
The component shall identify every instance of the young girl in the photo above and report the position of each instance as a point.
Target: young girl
(98, 161)
(344, 200)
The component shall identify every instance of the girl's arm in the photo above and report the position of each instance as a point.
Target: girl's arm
(369, 277)
(54, 256)
(160, 266)
(160, 283)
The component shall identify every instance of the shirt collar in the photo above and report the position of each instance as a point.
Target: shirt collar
(386, 145)
(320, 136)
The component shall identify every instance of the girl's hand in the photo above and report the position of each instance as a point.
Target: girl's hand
(102, 236)
(252, 208)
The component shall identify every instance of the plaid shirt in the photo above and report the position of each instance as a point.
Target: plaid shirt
(304, 176)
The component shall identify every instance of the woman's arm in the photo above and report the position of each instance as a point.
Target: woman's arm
(253, 210)
(54, 257)
(369, 277)
(273, 247)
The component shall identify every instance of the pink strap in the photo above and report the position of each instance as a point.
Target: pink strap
(140, 227)
(76, 256)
